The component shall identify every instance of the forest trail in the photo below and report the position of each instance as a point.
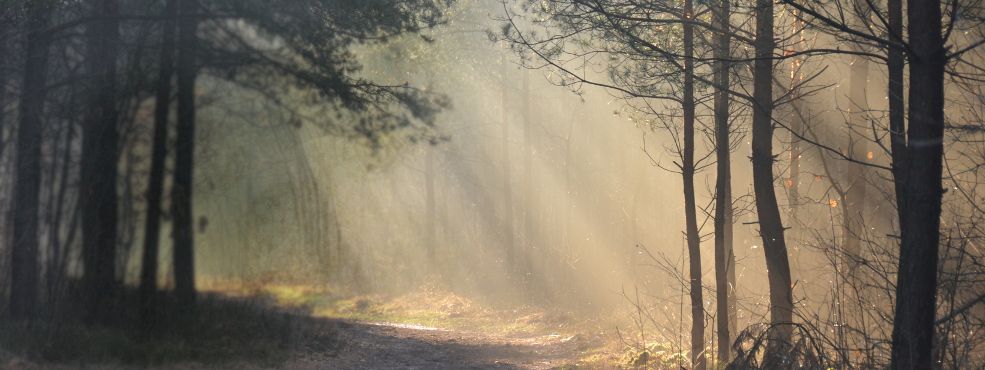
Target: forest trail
(404, 346)
(430, 329)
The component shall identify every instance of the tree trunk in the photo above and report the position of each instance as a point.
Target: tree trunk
(690, 208)
(770, 223)
(57, 244)
(508, 232)
(431, 217)
(529, 195)
(724, 257)
(152, 227)
(897, 123)
(916, 287)
(181, 195)
(854, 204)
(5, 76)
(26, 192)
(798, 120)
(100, 153)
(792, 184)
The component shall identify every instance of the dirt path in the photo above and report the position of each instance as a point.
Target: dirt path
(398, 346)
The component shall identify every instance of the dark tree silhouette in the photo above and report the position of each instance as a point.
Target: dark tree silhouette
(24, 248)
(155, 188)
(725, 313)
(770, 224)
(181, 193)
(100, 155)
(916, 288)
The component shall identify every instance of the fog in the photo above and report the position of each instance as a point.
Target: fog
(533, 184)
(588, 186)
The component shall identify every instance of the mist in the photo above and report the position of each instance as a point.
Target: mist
(491, 184)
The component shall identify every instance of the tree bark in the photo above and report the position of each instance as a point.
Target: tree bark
(26, 192)
(181, 195)
(5, 76)
(897, 123)
(155, 190)
(724, 257)
(690, 207)
(916, 287)
(100, 153)
(770, 223)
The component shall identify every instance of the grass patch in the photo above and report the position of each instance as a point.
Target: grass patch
(427, 307)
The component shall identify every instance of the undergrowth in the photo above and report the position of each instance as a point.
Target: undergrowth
(222, 330)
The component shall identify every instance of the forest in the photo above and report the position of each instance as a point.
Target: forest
(492, 184)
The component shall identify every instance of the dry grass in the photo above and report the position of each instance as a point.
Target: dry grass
(433, 307)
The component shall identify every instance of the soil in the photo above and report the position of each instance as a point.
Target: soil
(400, 346)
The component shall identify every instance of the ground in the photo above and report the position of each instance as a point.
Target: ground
(390, 346)
(435, 329)
(304, 327)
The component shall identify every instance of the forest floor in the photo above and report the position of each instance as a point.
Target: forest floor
(435, 329)
(403, 346)
(288, 326)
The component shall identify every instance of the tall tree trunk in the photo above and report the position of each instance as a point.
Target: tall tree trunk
(100, 153)
(155, 190)
(447, 234)
(690, 207)
(897, 123)
(55, 271)
(854, 203)
(529, 195)
(724, 256)
(508, 232)
(181, 194)
(797, 122)
(770, 223)
(567, 231)
(5, 68)
(792, 184)
(27, 186)
(431, 216)
(916, 287)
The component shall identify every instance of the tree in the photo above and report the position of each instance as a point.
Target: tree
(916, 287)
(653, 68)
(313, 39)
(100, 155)
(770, 225)
(24, 248)
(916, 148)
(508, 232)
(181, 193)
(690, 207)
(725, 312)
(155, 189)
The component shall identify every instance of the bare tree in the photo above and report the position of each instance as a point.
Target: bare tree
(725, 312)
(770, 224)
(181, 194)
(155, 188)
(913, 327)
(25, 209)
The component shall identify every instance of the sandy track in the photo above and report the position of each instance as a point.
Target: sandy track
(396, 346)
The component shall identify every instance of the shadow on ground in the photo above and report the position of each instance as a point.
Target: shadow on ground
(250, 332)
